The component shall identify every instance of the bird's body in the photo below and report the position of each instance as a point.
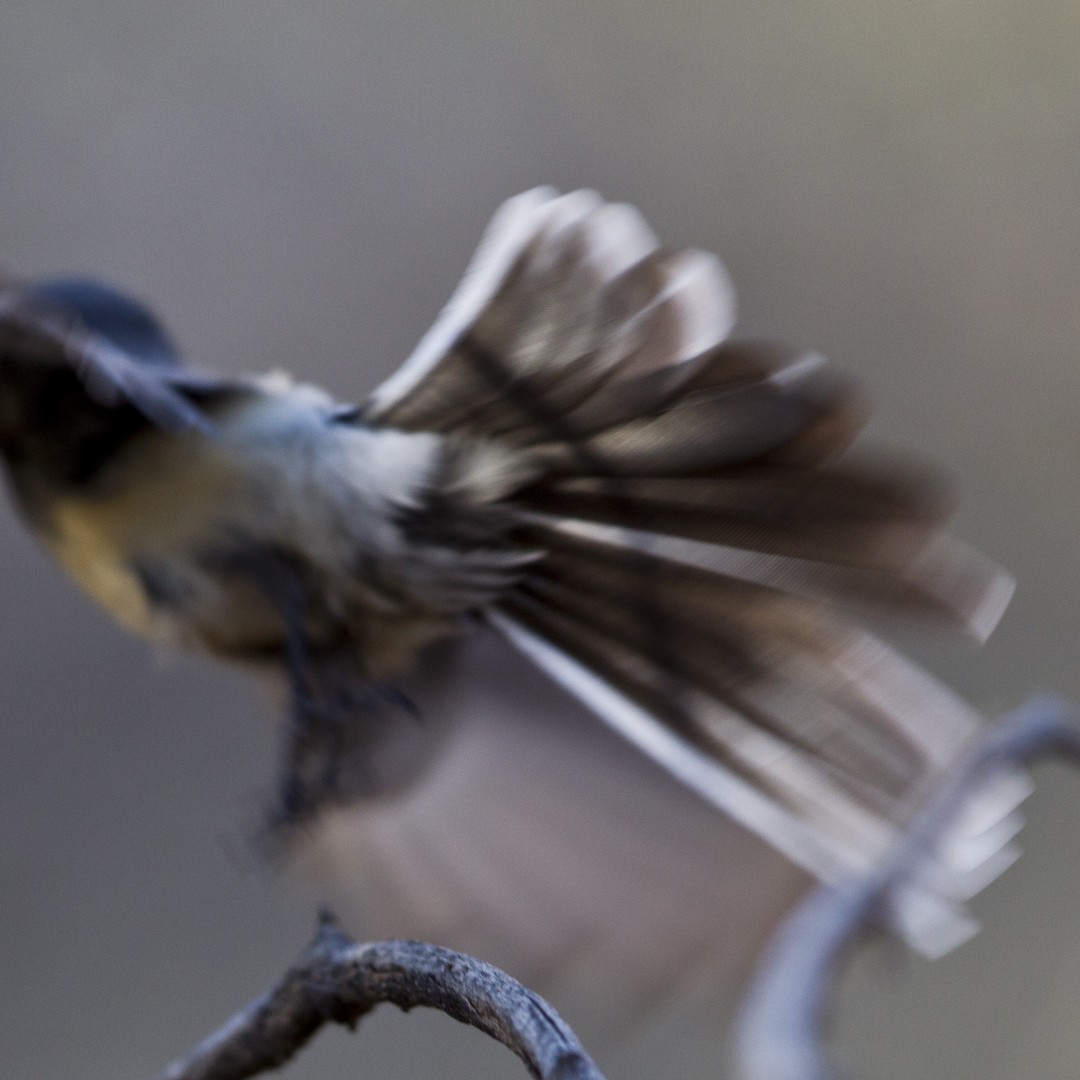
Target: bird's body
(573, 456)
(152, 541)
(163, 532)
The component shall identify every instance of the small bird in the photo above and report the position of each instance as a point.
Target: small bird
(576, 461)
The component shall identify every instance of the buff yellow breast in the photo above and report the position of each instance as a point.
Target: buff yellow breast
(158, 502)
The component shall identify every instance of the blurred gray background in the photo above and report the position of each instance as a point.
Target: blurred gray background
(298, 185)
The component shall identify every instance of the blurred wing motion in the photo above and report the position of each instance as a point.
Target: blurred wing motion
(545, 843)
(698, 546)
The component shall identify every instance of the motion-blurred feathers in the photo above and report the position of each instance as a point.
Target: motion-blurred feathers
(575, 461)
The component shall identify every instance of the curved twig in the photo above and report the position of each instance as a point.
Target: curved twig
(780, 1033)
(340, 981)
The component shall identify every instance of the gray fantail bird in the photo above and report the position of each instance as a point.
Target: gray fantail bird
(573, 461)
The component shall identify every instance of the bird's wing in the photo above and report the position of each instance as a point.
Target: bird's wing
(542, 842)
(114, 345)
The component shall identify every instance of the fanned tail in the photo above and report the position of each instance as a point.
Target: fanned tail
(703, 547)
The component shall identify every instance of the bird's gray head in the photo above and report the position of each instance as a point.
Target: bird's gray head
(106, 311)
(50, 426)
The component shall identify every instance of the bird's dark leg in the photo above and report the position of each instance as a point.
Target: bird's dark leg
(315, 738)
(338, 717)
(308, 717)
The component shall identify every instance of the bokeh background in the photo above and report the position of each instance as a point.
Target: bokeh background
(299, 184)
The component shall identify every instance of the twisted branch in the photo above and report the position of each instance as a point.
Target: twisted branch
(337, 980)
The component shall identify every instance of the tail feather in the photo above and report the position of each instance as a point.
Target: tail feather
(828, 517)
(941, 581)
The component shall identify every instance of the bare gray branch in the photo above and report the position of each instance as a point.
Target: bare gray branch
(780, 1034)
(337, 980)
